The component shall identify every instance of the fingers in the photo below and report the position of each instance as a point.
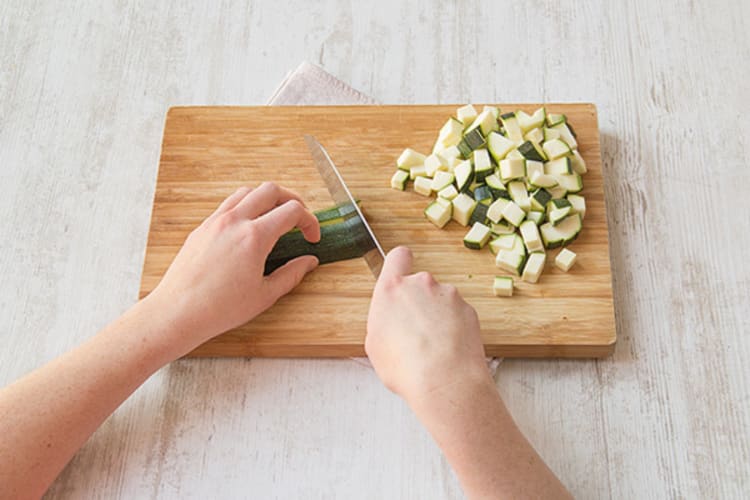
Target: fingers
(291, 214)
(284, 279)
(262, 199)
(397, 263)
(231, 201)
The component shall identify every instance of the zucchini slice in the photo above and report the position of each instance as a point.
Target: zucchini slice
(495, 211)
(417, 171)
(502, 286)
(535, 216)
(433, 163)
(513, 213)
(479, 214)
(510, 261)
(532, 151)
(539, 199)
(577, 163)
(464, 173)
(466, 114)
(438, 213)
(512, 128)
(556, 148)
(423, 186)
(557, 215)
(565, 259)
(496, 186)
(448, 192)
(534, 135)
(482, 164)
(555, 118)
(559, 166)
(483, 194)
(572, 183)
(512, 169)
(502, 227)
(409, 158)
(578, 204)
(562, 234)
(566, 135)
(477, 237)
(535, 120)
(442, 180)
(542, 180)
(499, 146)
(473, 139)
(533, 268)
(399, 179)
(463, 207)
(518, 194)
(486, 122)
(531, 237)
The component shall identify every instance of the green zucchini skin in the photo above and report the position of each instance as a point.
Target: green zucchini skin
(341, 238)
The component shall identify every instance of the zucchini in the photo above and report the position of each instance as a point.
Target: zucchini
(486, 122)
(466, 114)
(539, 199)
(409, 158)
(555, 118)
(433, 163)
(502, 286)
(442, 180)
(518, 194)
(550, 134)
(495, 211)
(565, 259)
(513, 213)
(438, 213)
(417, 171)
(531, 237)
(512, 128)
(559, 166)
(444, 202)
(450, 133)
(423, 186)
(473, 139)
(577, 163)
(562, 234)
(510, 261)
(566, 135)
(399, 179)
(482, 164)
(448, 192)
(557, 192)
(556, 148)
(535, 216)
(477, 236)
(531, 151)
(533, 268)
(341, 238)
(496, 186)
(449, 154)
(511, 242)
(557, 215)
(534, 135)
(512, 169)
(514, 155)
(502, 227)
(483, 194)
(572, 183)
(528, 122)
(479, 214)
(533, 168)
(542, 180)
(463, 207)
(494, 110)
(464, 173)
(499, 146)
(578, 204)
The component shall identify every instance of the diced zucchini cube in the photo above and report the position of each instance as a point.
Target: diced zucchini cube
(448, 192)
(423, 186)
(409, 158)
(399, 180)
(466, 114)
(556, 148)
(477, 236)
(510, 261)
(533, 268)
(565, 259)
(513, 213)
(438, 214)
(502, 286)
(531, 237)
(463, 207)
(442, 180)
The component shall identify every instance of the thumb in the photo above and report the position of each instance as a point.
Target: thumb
(284, 279)
(398, 262)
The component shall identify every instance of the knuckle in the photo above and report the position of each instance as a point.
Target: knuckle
(424, 277)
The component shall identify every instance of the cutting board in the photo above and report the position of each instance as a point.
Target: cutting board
(208, 152)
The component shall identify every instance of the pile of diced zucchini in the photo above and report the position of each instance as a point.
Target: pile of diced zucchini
(514, 178)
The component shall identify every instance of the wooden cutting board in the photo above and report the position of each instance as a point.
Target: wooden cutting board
(208, 152)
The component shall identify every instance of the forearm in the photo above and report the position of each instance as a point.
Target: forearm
(46, 416)
(478, 436)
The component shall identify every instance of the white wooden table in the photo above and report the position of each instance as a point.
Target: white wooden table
(83, 93)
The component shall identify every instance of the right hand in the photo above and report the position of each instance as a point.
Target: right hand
(422, 337)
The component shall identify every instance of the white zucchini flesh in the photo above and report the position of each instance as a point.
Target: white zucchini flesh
(501, 228)
(519, 195)
(423, 186)
(464, 173)
(477, 237)
(577, 163)
(528, 122)
(486, 121)
(495, 211)
(578, 204)
(466, 114)
(513, 213)
(502, 286)
(399, 180)
(533, 268)
(482, 163)
(463, 207)
(558, 167)
(531, 237)
(417, 171)
(510, 261)
(409, 158)
(499, 146)
(534, 135)
(556, 148)
(557, 215)
(565, 259)
(448, 192)
(438, 213)
(533, 168)
(543, 180)
(512, 128)
(449, 153)
(442, 180)
(433, 163)
(512, 169)
(566, 135)
(444, 202)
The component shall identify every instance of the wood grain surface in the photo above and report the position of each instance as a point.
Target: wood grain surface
(83, 95)
(208, 152)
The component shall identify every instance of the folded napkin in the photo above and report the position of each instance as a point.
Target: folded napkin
(310, 85)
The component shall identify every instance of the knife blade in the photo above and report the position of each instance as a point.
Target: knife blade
(374, 256)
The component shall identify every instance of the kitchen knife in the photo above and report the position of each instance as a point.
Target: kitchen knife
(374, 254)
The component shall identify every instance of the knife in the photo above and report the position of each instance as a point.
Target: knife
(374, 254)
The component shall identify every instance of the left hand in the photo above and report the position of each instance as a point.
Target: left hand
(216, 282)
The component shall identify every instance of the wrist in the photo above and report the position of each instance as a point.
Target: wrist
(471, 386)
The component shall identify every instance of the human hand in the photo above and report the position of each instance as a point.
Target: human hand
(422, 337)
(216, 281)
